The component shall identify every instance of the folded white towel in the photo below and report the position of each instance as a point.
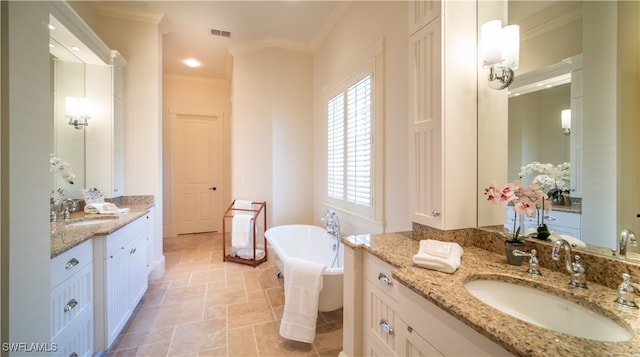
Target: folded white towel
(242, 231)
(247, 253)
(302, 286)
(442, 261)
(575, 242)
(104, 208)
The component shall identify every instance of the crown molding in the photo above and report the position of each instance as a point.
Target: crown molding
(551, 25)
(105, 8)
(267, 43)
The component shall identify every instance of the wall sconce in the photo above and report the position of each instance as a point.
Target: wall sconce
(500, 52)
(77, 110)
(565, 117)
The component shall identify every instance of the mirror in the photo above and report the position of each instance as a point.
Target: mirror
(67, 142)
(602, 146)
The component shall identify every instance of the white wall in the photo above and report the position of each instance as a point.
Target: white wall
(272, 132)
(195, 95)
(339, 54)
(25, 130)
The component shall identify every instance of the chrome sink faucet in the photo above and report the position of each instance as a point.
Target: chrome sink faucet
(575, 268)
(627, 237)
(67, 206)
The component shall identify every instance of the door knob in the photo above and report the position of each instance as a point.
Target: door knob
(212, 188)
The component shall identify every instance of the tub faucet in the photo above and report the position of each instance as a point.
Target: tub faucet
(627, 237)
(575, 269)
(331, 223)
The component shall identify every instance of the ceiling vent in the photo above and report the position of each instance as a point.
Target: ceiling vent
(221, 33)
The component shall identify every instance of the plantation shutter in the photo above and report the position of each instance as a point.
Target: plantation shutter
(358, 180)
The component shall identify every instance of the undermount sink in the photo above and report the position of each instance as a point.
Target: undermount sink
(89, 221)
(547, 310)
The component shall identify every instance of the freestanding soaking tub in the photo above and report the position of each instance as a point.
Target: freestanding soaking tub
(314, 244)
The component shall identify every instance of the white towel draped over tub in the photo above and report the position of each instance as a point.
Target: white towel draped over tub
(302, 286)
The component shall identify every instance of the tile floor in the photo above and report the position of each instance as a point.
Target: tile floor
(203, 306)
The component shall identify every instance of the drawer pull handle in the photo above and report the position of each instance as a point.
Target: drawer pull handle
(70, 305)
(550, 218)
(74, 354)
(387, 328)
(71, 263)
(435, 213)
(385, 279)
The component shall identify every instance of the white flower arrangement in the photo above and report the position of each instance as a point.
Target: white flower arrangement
(64, 168)
(550, 177)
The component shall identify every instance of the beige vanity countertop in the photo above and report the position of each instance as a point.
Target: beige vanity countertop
(520, 338)
(64, 238)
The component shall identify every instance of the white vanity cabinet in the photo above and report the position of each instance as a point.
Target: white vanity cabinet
(443, 112)
(399, 322)
(121, 278)
(72, 301)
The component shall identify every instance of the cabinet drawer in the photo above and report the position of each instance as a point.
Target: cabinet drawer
(70, 262)
(379, 274)
(70, 298)
(77, 339)
(563, 219)
(118, 239)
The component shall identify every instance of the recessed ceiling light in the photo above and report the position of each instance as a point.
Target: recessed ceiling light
(191, 62)
(75, 48)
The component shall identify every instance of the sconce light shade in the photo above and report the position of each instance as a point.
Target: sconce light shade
(490, 37)
(77, 110)
(511, 46)
(565, 117)
(500, 51)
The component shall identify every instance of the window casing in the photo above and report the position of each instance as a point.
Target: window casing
(350, 127)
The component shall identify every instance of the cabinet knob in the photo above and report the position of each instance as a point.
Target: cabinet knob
(70, 305)
(387, 327)
(435, 213)
(71, 263)
(385, 279)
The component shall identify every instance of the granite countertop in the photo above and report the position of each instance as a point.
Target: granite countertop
(64, 238)
(520, 338)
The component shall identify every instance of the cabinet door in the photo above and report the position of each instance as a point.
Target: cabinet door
(426, 125)
(421, 12)
(118, 295)
(137, 251)
(412, 344)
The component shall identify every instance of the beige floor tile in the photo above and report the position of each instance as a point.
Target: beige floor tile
(248, 313)
(225, 296)
(165, 316)
(276, 296)
(183, 294)
(215, 312)
(270, 343)
(208, 276)
(261, 279)
(328, 336)
(133, 340)
(332, 316)
(242, 342)
(198, 336)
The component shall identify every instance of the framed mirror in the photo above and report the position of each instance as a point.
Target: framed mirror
(602, 145)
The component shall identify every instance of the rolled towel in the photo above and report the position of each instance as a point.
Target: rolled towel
(241, 231)
(247, 253)
(446, 258)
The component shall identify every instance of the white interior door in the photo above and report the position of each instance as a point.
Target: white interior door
(199, 173)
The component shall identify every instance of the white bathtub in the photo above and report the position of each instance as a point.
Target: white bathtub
(314, 244)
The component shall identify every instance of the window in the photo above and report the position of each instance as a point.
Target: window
(349, 145)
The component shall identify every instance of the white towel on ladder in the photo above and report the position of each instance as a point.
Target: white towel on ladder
(242, 231)
(302, 286)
